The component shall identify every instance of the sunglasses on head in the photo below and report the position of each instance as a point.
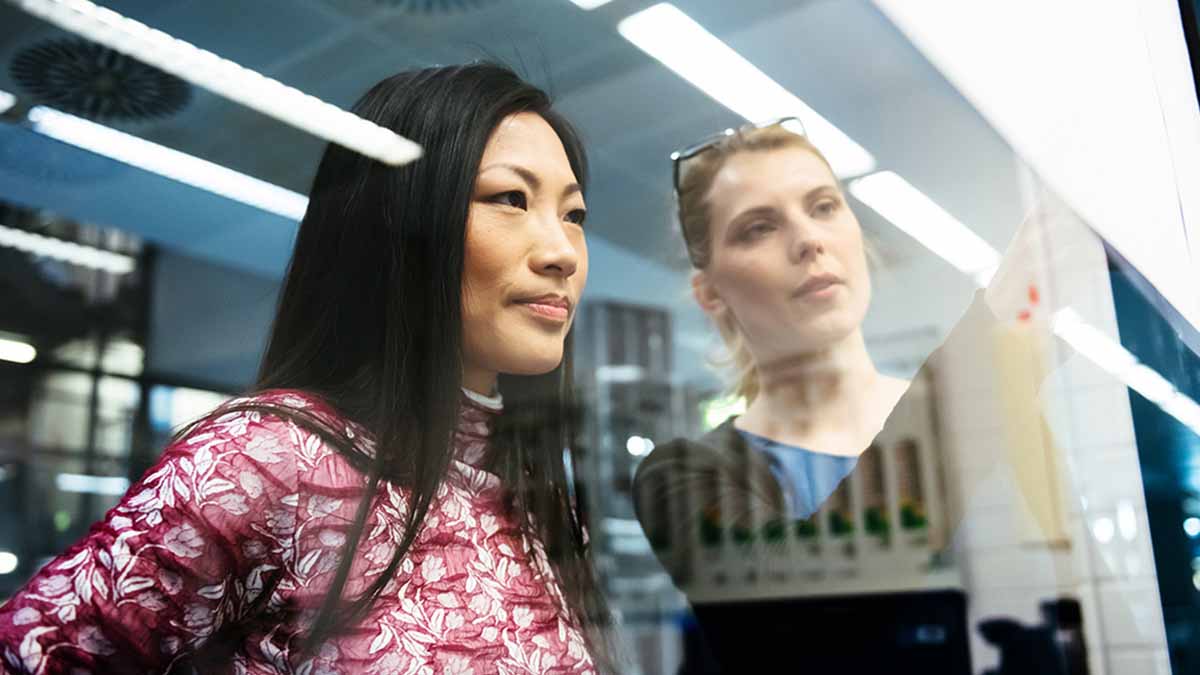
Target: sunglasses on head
(679, 157)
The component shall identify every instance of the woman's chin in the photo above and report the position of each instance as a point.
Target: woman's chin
(534, 364)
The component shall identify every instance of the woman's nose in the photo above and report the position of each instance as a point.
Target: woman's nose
(806, 241)
(554, 253)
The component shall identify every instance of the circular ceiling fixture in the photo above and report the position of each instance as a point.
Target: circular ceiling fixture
(90, 80)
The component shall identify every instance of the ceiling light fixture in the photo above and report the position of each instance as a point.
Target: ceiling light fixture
(7, 101)
(620, 374)
(164, 161)
(1121, 364)
(16, 351)
(675, 39)
(225, 78)
(924, 220)
(590, 4)
(97, 485)
(67, 251)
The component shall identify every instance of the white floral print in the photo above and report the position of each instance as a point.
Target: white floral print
(249, 503)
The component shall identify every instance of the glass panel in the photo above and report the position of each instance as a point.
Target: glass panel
(849, 366)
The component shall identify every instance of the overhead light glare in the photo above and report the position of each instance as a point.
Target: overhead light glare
(225, 78)
(114, 486)
(67, 251)
(620, 374)
(1117, 361)
(1192, 527)
(16, 351)
(173, 164)
(639, 446)
(680, 43)
(933, 227)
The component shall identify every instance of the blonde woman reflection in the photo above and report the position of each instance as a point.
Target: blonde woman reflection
(781, 269)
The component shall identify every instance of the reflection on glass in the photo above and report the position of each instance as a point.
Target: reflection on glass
(935, 458)
(1022, 465)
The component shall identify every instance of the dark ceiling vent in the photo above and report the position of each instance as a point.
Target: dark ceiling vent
(436, 6)
(81, 77)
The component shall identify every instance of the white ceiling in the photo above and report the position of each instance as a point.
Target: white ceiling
(841, 56)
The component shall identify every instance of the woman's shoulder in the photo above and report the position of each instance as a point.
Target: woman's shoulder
(278, 403)
(271, 410)
(282, 430)
(714, 448)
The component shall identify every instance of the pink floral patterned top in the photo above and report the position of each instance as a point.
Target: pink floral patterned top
(178, 565)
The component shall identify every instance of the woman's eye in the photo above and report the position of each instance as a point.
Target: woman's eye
(577, 216)
(825, 208)
(756, 230)
(513, 198)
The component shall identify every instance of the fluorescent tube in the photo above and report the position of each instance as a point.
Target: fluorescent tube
(16, 351)
(164, 161)
(225, 78)
(67, 251)
(678, 42)
(922, 219)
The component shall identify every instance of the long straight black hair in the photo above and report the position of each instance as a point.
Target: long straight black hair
(370, 320)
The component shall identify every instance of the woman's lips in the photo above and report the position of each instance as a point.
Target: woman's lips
(555, 312)
(819, 287)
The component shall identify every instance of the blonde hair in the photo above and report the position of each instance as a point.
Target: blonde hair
(694, 219)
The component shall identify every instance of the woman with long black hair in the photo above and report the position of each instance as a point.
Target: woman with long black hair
(372, 505)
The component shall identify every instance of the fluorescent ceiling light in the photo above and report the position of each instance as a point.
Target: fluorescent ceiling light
(622, 374)
(922, 219)
(1102, 529)
(16, 351)
(225, 78)
(164, 161)
(96, 485)
(1152, 386)
(1191, 526)
(667, 34)
(1094, 344)
(1184, 409)
(1123, 365)
(590, 4)
(8, 562)
(7, 101)
(639, 446)
(67, 251)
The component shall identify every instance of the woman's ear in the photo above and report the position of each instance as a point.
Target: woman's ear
(706, 294)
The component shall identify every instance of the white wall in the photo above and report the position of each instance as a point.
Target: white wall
(1097, 98)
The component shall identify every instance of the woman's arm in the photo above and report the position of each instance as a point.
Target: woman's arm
(188, 550)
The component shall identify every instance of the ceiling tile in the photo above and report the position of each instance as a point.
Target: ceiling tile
(344, 70)
(253, 34)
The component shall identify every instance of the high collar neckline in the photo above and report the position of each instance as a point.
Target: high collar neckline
(494, 403)
(472, 434)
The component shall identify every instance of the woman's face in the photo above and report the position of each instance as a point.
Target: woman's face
(787, 254)
(526, 258)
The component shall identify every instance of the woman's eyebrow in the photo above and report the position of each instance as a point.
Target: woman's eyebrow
(753, 212)
(531, 178)
(821, 191)
(766, 211)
